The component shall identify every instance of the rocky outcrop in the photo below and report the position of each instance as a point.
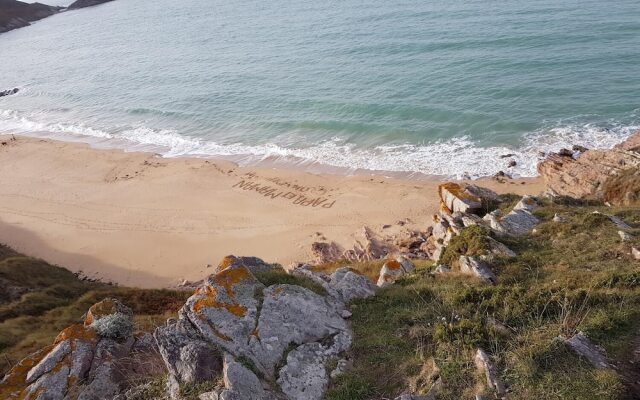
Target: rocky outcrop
(275, 341)
(86, 3)
(581, 344)
(17, 14)
(8, 92)
(593, 174)
(86, 361)
(517, 222)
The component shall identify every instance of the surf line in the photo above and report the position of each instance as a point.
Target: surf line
(274, 193)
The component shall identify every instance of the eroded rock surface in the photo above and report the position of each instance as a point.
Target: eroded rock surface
(83, 363)
(276, 340)
(592, 175)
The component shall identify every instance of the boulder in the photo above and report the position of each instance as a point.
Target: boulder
(585, 348)
(520, 221)
(635, 253)
(486, 366)
(8, 92)
(624, 236)
(349, 285)
(253, 264)
(392, 270)
(465, 198)
(477, 268)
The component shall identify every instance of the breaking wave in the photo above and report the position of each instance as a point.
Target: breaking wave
(456, 157)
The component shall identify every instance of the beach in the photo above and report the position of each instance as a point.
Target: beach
(140, 220)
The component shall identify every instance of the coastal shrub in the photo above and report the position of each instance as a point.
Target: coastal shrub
(114, 326)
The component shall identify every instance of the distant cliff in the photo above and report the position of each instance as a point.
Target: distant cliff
(17, 14)
(86, 3)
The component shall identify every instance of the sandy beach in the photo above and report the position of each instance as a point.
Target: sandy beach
(141, 220)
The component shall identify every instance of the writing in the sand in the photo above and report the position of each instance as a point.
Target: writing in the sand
(275, 193)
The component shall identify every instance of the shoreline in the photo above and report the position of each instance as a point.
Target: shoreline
(138, 219)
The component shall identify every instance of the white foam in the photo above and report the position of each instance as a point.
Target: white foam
(456, 157)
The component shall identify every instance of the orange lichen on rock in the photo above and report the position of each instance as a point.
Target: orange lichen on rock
(101, 309)
(14, 383)
(457, 190)
(393, 265)
(76, 332)
(231, 277)
(227, 262)
(209, 299)
(444, 209)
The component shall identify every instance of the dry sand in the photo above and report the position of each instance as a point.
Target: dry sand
(140, 220)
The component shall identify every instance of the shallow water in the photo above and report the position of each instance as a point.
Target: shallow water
(438, 87)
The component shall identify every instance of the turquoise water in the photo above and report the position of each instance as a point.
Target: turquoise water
(437, 87)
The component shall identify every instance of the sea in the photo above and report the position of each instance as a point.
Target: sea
(418, 87)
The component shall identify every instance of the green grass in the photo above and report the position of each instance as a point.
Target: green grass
(56, 298)
(279, 276)
(572, 276)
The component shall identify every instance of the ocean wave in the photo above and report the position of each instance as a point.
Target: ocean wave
(456, 157)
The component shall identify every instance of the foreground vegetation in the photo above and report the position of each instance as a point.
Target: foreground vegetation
(570, 276)
(576, 275)
(47, 299)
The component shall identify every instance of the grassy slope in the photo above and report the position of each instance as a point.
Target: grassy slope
(572, 276)
(57, 298)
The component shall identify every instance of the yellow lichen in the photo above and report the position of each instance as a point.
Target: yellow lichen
(210, 300)
(76, 332)
(456, 190)
(14, 383)
(226, 262)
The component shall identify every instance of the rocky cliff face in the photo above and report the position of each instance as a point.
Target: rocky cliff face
(17, 14)
(606, 175)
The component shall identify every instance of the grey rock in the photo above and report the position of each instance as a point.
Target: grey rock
(390, 271)
(478, 268)
(291, 314)
(254, 264)
(350, 285)
(49, 361)
(241, 383)
(52, 386)
(485, 365)
(635, 253)
(442, 269)
(626, 237)
(518, 222)
(103, 385)
(585, 348)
